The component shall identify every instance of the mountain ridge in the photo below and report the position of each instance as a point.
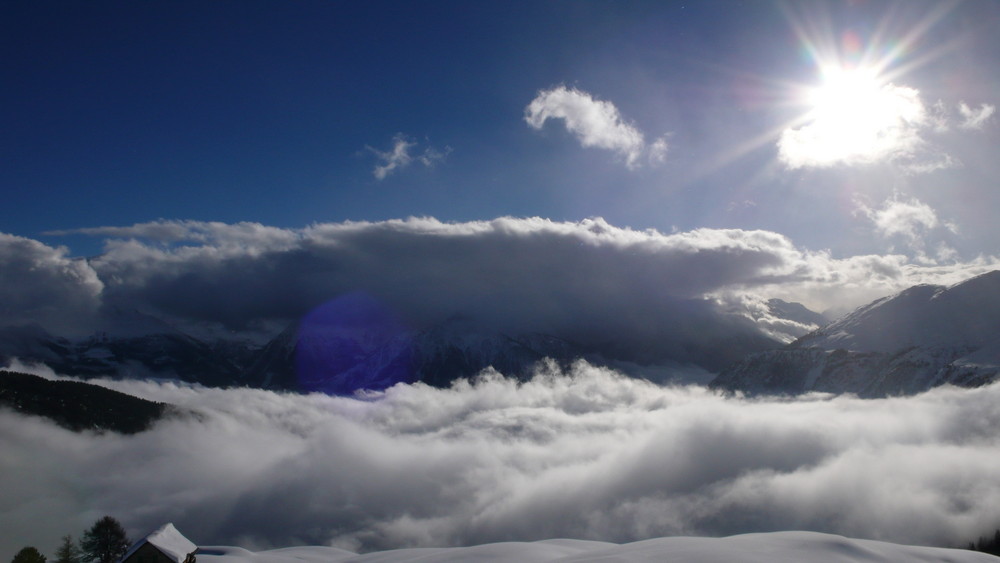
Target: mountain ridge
(350, 356)
(917, 339)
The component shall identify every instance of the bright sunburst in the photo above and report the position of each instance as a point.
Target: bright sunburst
(852, 97)
(854, 116)
(857, 112)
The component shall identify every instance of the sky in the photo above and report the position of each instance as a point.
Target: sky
(651, 115)
(542, 158)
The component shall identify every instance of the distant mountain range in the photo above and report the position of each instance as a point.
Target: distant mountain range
(906, 343)
(360, 347)
(923, 337)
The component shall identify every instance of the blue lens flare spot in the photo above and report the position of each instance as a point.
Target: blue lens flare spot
(352, 343)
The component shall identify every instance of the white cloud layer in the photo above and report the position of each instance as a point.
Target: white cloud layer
(585, 454)
(595, 123)
(399, 156)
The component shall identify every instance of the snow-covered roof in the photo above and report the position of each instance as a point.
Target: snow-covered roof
(168, 540)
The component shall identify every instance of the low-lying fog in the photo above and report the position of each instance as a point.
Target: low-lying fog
(582, 454)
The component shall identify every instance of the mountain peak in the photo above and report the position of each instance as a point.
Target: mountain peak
(967, 313)
(924, 336)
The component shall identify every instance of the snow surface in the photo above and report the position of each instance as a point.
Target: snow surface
(811, 547)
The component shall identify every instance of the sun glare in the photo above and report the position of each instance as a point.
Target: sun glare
(858, 111)
(854, 115)
(849, 109)
(852, 95)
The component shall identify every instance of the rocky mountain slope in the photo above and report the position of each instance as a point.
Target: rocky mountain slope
(920, 338)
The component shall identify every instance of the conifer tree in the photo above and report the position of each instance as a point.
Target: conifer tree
(68, 551)
(28, 555)
(104, 542)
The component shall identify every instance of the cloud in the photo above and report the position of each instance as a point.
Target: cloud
(581, 281)
(243, 237)
(906, 218)
(658, 151)
(913, 222)
(975, 118)
(581, 454)
(596, 123)
(399, 156)
(41, 284)
(763, 314)
(587, 280)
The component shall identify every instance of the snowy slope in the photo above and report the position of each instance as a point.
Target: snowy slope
(806, 547)
(963, 315)
(920, 338)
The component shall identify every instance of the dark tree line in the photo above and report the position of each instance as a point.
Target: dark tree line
(78, 406)
(987, 544)
(104, 542)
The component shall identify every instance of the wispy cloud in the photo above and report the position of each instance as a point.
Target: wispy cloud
(906, 218)
(975, 118)
(577, 454)
(595, 123)
(913, 222)
(400, 156)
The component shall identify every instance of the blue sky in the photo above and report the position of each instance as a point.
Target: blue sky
(287, 113)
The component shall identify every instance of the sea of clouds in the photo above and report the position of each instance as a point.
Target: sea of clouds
(584, 453)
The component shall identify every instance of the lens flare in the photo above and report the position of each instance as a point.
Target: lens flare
(350, 344)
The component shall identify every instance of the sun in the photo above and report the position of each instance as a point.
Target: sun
(850, 96)
(850, 108)
(853, 115)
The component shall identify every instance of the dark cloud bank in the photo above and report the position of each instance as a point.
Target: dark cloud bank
(582, 454)
(602, 286)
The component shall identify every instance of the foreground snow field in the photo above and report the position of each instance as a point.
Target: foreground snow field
(774, 547)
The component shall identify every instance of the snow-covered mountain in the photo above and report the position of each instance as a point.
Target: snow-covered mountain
(354, 343)
(332, 359)
(920, 338)
(782, 320)
(169, 355)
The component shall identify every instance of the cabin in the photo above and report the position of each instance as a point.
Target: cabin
(165, 545)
